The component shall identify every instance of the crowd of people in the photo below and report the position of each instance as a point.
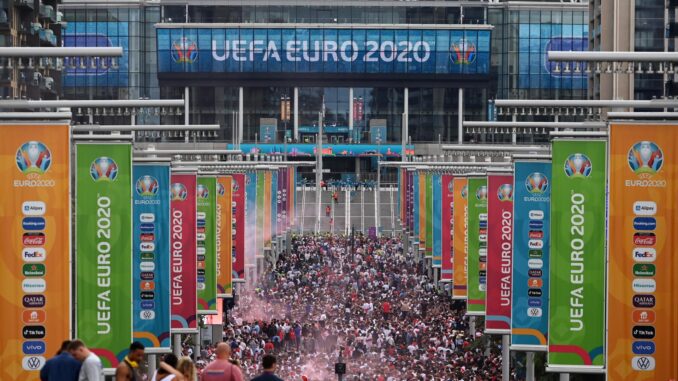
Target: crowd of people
(362, 301)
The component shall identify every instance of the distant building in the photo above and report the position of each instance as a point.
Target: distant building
(30, 23)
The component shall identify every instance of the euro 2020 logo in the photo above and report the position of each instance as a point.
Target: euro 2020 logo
(33, 157)
(464, 192)
(202, 191)
(645, 158)
(463, 52)
(505, 192)
(147, 186)
(450, 186)
(235, 186)
(578, 165)
(481, 193)
(179, 192)
(536, 182)
(184, 50)
(103, 169)
(220, 189)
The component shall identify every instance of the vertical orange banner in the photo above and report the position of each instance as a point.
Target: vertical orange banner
(224, 237)
(422, 211)
(267, 208)
(460, 240)
(643, 265)
(35, 244)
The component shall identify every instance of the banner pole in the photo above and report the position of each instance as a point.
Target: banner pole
(177, 344)
(472, 326)
(152, 361)
(530, 366)
(505, 358)
(564, 377)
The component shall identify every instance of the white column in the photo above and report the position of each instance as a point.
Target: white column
(187, 119)
(350, 112)
(177, 345)
(505, 358)
(319, 172)
(460, 117)
(296, 114)
(529, 366)
(152, 360)
(241, 108)
(405, 122)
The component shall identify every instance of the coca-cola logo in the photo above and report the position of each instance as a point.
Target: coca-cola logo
(644, 239)
(33, 239)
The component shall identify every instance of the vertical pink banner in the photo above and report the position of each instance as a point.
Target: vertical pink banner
(183, 249)
(446, 274)
(238, 205)
(499, 253)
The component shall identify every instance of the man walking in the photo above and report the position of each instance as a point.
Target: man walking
(128, 369)
(62, 367)
(221, 369)
(268, 363)
(92, 369)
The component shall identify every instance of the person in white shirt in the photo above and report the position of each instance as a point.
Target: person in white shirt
(92, 369)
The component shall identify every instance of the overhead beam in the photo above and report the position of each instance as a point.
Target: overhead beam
(596, 56)
(519, 124)
(22, 51)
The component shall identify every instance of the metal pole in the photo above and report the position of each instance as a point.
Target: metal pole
(197, 345)
(241, 108)
(296, 114)
(351, 103)
(362, 210)
(390, 193)
(505, 358)
(303, 207)
(472, 326)
(177, 344)
(405, 123)
(460, 117)
(376, 209)
(152, 361)
(333, 210)
(319, 172)
(514, 137)
(529, 366)
(347, 202)
(187, 119)
(564, 377)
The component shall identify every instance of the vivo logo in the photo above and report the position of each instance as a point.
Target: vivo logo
(536, 214)
(534, 302)
(644, 254)
(643, 347)
(33, 208)
(147, 304)
(645, 208)
(147, 217)
(644, 285)
(34, 347)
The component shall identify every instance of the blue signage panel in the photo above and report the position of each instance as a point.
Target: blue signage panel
(532, 200)
(535, 70)
(338, 150)
(96, 71)
(323, 50)
(151, 284)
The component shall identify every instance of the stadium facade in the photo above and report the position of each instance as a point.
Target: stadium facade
(271, 71)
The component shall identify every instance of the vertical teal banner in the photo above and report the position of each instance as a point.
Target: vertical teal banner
(477, 245)
(206, 237)
(151, 251)
(436, 215)
(577, 272)
(429, 215)
(103, 249)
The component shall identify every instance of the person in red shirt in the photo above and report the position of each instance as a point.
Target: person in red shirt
(221, 369)
(386, 309)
